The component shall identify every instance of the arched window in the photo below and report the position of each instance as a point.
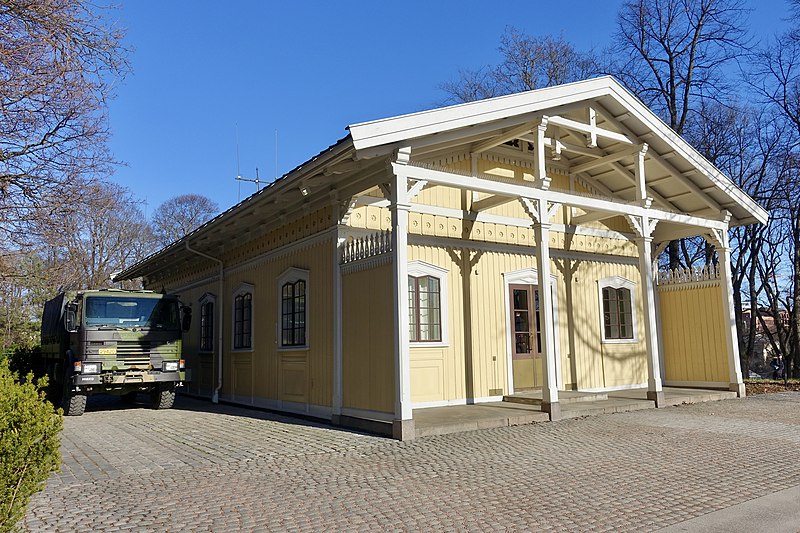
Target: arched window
(243, 318)
(427, 304)
(207, 323)
(293, 293)
(617, 305)
(293, 313)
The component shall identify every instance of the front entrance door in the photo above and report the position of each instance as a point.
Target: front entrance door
(526, 341)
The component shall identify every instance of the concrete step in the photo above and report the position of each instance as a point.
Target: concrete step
(457, 419)
(578, 410)
(564, 397)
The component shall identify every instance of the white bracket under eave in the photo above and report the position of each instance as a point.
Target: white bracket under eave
(642, 226)
(533, 208)
(346, 209)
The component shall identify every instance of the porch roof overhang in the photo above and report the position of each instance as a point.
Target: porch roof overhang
(601, 149)
(321, 181)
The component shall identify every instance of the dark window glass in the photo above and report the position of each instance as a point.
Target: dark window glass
(243, 321)
(293, 314)
(617, 313)
(207, 326)
(424, 309)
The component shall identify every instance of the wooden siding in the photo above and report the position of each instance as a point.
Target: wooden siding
(367, 340)
(267, 374)
(474, 364)
(693, 334)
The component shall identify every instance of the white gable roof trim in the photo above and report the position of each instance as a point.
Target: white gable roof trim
(396, 130)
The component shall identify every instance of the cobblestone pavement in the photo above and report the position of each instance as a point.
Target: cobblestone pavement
(202, 467)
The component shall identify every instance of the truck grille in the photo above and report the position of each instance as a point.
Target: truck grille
(127, 350)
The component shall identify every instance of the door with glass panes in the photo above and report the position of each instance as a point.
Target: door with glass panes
(526, 339)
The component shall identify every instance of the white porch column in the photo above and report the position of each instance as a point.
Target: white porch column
(719, 238)
(649, 302)
(337, 326)
(403, 426)
(550, 387)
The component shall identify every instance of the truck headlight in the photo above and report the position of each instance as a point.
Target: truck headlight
(91, 368)
(169, 366)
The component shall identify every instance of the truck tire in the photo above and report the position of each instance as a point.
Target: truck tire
(162, 398)
(73, 404)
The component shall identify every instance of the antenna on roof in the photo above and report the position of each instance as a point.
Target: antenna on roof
(256, 181)
(239, 197)
(276, 154)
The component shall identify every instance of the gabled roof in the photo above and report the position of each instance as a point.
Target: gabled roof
(675, 168)
(676, 173)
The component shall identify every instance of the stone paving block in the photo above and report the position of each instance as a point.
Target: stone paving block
(205, 467)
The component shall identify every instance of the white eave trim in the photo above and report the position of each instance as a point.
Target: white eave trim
(394, 129)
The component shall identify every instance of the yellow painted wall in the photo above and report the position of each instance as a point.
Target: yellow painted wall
(267, 372)
(693, 331)
(367, 340)
(474, 363)
(201, 365)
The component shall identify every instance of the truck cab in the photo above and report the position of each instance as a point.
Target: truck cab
(115, 342)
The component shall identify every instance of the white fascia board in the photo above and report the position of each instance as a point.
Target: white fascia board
(685, 150)
(386, 131)
(394, 129)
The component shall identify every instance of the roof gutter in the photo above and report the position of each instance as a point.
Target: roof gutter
(221, 290)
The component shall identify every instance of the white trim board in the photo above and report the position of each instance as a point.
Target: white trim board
(555, 253)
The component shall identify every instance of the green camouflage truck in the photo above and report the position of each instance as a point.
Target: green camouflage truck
(115, 342)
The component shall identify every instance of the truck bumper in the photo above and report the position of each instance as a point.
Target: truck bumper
(127, 378)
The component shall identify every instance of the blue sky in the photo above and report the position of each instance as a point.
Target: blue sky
(202, 70)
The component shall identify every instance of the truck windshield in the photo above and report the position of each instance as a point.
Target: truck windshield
(129, 312)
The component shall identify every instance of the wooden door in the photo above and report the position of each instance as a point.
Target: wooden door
(526, 340)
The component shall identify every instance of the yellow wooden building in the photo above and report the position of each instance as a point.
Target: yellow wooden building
(459, 254)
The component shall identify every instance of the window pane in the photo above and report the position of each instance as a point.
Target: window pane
(520, 299)
(433, 284)
(424, 309)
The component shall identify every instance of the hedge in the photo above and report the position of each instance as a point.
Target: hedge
(29, 443)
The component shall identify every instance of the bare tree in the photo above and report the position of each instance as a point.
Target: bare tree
(179, 216)
(528, 62)
(59, 61)
(99, 239)
(673, 54)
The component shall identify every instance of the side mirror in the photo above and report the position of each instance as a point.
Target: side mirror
(186, 323)
(70, 317)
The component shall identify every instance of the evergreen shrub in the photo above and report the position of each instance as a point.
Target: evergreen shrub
(29, 443)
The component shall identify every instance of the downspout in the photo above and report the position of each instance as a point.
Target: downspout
(221, 290)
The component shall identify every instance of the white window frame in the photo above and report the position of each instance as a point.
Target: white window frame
(418, 269)
(241, 290)
(292, 275)
(208, 298)
(618, 282)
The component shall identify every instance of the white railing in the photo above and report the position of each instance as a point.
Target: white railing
(680, 276)
(372, 245)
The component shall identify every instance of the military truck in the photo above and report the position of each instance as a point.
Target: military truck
(113, 341)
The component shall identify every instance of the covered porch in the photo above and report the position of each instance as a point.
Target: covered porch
(526, 408)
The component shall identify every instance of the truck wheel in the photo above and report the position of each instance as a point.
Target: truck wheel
(162, 398)
(73, 404)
